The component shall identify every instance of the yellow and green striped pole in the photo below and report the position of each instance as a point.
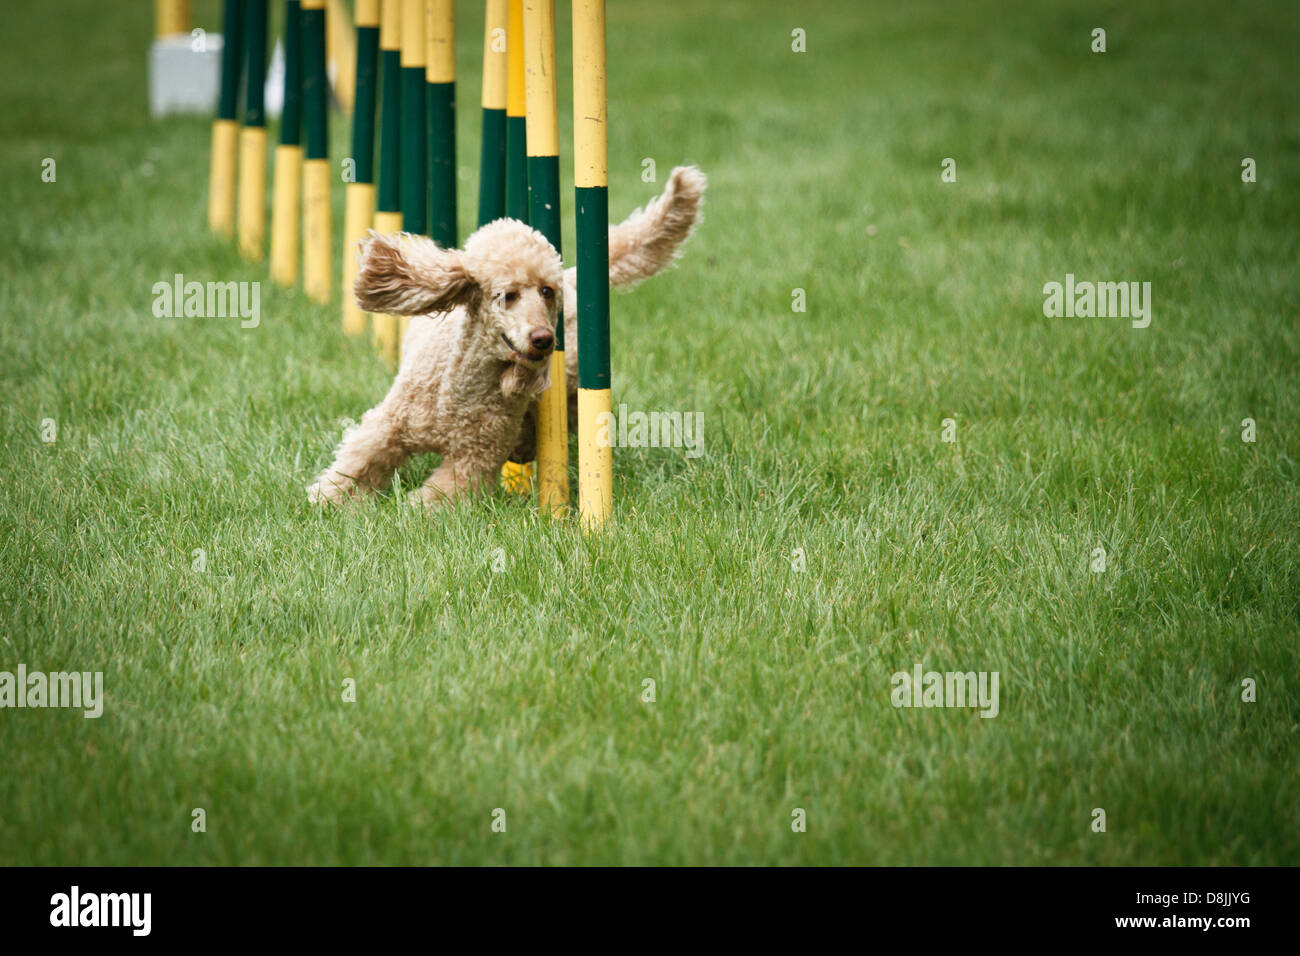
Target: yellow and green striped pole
(252, 137)
(341, 53)
(516, 126)
(359, 212)
(591, 197)
(440, 73)
(492, 160)
(516, 477)
(171, 17)
(415, 173)
(286, 196)
(414, 138)
(543, 135)
(225, 128)
(316, 267)
(388, 208)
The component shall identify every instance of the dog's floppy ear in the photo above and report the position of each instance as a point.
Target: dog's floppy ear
(404, 274)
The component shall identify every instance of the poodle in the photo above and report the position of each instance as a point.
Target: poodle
(477, 352)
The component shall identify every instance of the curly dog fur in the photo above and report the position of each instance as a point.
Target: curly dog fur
(477, 352)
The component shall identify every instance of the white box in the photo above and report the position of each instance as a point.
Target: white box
(185, 74)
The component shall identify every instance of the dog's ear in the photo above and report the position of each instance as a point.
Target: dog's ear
(404, 274)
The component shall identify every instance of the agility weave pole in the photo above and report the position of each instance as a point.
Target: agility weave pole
(316, 211)
(492, 157)
(359, 209)
(414, 135)
(440, 93)
(252, 137)
(171, 17)
(286, 196)
(341, 53)
(415, 147)
(591, 199)
(388, 206)
(516, 477)
(543, 148)
(516, 124)
(225, 128)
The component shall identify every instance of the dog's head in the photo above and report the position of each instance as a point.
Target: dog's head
(508, 277)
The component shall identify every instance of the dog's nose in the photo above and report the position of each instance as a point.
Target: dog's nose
(541, 339)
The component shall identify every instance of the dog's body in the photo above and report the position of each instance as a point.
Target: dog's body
(477, 352)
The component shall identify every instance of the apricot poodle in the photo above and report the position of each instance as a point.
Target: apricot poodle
(477, 352)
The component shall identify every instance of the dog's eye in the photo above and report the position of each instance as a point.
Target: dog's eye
(548, 293)
(511, 298)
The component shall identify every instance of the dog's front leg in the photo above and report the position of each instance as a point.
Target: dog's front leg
(526, 446)
(452, 480)
(365, 459)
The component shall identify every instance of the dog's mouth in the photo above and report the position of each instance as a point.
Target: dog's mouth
(526, 357)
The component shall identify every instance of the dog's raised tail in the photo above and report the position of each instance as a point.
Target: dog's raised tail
(646, 242)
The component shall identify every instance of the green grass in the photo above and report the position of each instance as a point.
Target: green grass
(522, 690)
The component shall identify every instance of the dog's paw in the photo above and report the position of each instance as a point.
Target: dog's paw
(317, 495)
(326, 491)
(428, 499)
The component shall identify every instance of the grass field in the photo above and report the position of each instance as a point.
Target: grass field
(522, 690)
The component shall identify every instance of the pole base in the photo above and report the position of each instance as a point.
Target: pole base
(358, 217)
(385, 331)
(285, 203)
(221, 177)
(553, 442)
(317, 258)
(595, 458)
